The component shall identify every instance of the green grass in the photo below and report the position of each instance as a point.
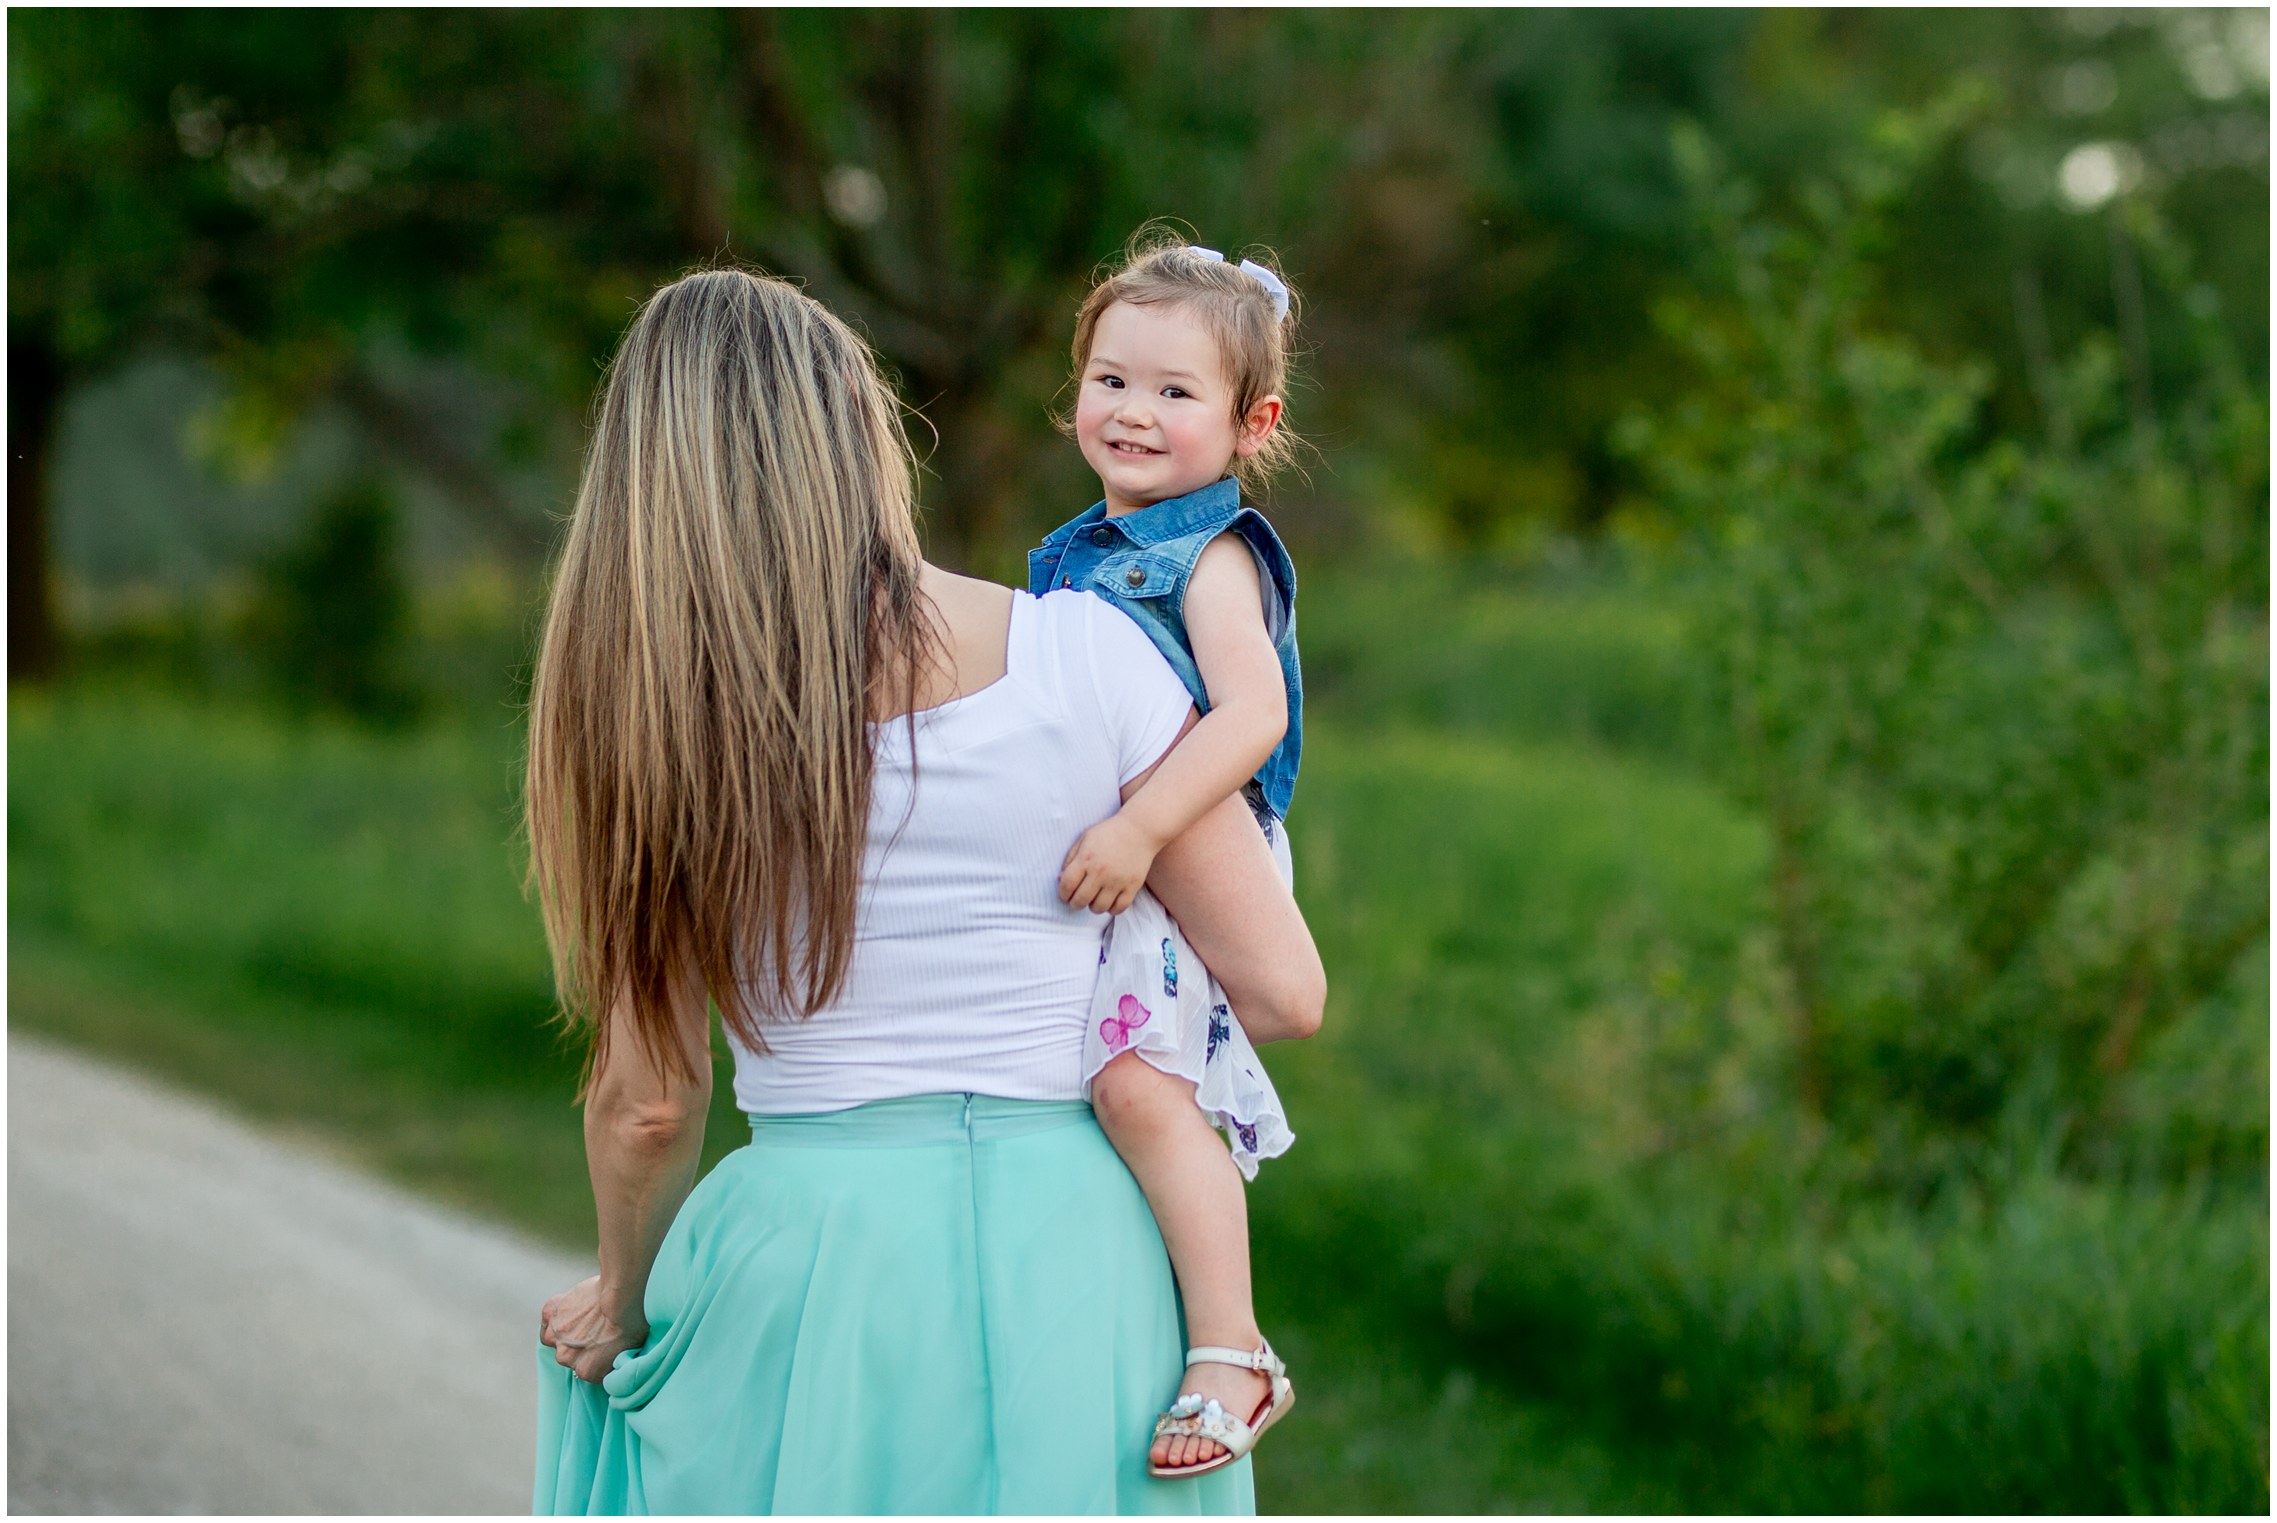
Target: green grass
(1554, 1236)
(1579, 659)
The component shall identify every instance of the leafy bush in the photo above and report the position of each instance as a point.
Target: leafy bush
(2003, 702)
(1909, 1153)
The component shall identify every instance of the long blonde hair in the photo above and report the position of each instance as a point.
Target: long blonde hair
(738, 594)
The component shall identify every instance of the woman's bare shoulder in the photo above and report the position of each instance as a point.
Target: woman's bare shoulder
(967, 603)
(951, 591)
(976, 617)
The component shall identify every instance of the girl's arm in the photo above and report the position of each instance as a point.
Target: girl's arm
(1249, 713)
(644, 1133)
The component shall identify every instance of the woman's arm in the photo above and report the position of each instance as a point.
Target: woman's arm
(1249, 713)
(644, 1133)
(1218, 880)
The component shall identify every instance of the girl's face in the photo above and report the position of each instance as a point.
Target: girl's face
(1155, 414)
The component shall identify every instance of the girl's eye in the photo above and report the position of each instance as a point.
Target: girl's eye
(1115, 381)
(1173, 391)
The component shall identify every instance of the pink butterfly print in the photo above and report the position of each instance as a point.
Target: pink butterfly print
(1116, 1030)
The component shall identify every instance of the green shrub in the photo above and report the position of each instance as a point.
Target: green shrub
(2002, 702)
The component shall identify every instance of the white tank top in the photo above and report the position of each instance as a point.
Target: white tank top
(968, 974)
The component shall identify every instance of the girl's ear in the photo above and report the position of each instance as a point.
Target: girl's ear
(1264, 416)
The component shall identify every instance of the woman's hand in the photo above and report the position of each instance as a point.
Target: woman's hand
(584, 1338)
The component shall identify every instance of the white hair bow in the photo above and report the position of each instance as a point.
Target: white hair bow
(1255, 271)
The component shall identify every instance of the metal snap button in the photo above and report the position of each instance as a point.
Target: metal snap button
(1102, 536)
(1136, 576)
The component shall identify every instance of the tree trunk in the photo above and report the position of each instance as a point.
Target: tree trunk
(35, 396)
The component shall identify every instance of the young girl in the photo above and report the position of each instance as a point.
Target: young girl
(1181, 358)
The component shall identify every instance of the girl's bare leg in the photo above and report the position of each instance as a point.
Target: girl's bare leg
(1196, 1194)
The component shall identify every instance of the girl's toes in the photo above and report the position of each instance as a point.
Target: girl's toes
(1183, 1451)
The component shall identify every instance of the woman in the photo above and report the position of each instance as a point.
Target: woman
(781, 765)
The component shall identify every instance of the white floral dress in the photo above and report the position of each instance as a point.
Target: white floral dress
(1156, 999)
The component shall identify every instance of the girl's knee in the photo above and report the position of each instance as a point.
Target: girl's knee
(1129, 1095)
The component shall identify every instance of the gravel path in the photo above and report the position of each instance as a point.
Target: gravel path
(203, 1319)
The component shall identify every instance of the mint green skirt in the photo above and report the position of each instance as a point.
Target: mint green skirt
(944, 1304)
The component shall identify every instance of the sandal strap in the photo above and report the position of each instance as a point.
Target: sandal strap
(1261, 1359)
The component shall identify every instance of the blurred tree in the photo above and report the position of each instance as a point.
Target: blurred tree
(1582, 220)
(2075, 110)
(298, 196)
(1482, 205)
(253, 189)
(949, 182)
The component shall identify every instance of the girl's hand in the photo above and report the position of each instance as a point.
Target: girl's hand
(584, 1338)
(1106, 866)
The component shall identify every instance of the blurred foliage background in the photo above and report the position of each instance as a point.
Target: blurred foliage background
(1786, 611)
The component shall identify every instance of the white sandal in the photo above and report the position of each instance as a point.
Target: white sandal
(1195, 1416)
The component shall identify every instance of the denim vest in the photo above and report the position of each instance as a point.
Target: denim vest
(1141, 563)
